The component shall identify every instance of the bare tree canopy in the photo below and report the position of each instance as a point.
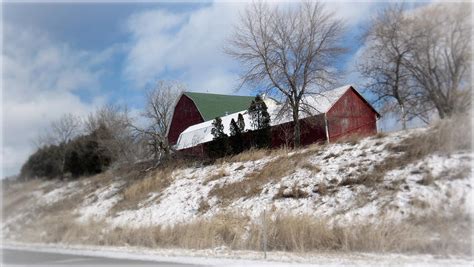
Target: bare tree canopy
(66, 128)
(116, 119)
(62, 130)
(158, 113)
(290, 52)
(417, 61)
(441, 59)
(382, 65)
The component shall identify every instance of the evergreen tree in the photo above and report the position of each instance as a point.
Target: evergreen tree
(241, 123)
(218, 128)
(219, 146)
(236, 139)
(234, 128)
(260, 121)
(258, 112)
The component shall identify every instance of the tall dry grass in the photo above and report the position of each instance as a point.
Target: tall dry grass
(444, 137)
(282, 165)
(253, 155)
(428, 234)
(140, 189)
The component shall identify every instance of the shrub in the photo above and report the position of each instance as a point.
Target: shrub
(85, 155)
(46, 162)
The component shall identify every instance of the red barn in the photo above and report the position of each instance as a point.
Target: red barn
(193, 108)
(328, 116)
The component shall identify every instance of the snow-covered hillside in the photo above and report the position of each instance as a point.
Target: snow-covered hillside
(369, 180)
(400, 194)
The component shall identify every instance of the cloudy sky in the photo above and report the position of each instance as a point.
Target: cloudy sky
(73, 57)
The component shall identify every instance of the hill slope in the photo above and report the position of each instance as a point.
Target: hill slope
(386, 189)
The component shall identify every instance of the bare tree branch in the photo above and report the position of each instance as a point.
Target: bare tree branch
(289, 53)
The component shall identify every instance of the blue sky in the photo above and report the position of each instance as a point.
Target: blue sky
(74, 57)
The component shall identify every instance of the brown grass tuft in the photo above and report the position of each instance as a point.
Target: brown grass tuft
(295, 192)
(310, 167)
(252, 183)
(379, 135)
(352, 139)
(253, 155)
(321, 189)
(220, 173)
(427, 179)
(139, 189)
(203, 206)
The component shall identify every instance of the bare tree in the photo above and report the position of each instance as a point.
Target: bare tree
(441, 59)
(117, 120)
(382, 65)
(290, 53)
(60, 131)
(66, 128)
(158, 114)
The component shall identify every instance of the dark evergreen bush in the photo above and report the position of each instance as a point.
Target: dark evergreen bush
(46, 162)
(85, 155)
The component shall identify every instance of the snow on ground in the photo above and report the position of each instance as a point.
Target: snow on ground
(59, 193)
(180, 201)
(97, 204)
(225, 257)
(400, 194)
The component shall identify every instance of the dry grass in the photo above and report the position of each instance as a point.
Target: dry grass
(379, 135)
(273, 171)
(321, 189)
(303, 233)
(145, 179)
(457, 173)
(139, 189)
(428, 234)
(203, 206)
(220, 173)
(445, 137)
(252, 183)
(14, 195)
(330, 155)
(418, 203)
(295, 192)
(252, 155)
(310, 167)
(352, 139)
(427, 179)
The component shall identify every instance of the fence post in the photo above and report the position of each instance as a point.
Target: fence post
(264, 233)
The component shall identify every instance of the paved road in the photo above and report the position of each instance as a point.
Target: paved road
(12, 257)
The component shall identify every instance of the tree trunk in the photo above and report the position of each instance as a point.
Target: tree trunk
(404, 117)
(297, 130)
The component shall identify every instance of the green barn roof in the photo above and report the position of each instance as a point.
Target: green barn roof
(214, 105)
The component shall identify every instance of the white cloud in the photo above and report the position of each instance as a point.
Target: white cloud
(189, 44)
(41, 80)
